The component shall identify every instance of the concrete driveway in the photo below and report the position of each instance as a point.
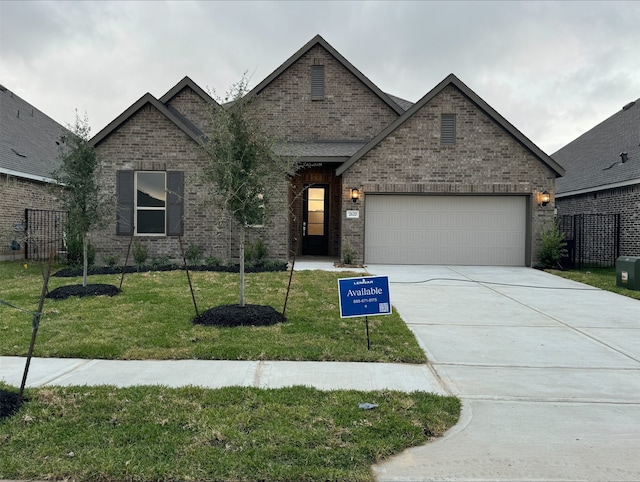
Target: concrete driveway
(548, 371)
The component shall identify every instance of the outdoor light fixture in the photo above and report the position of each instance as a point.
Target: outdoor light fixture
(355, 194)
(544, 198)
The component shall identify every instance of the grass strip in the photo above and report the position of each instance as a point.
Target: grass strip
(151, 319)
(232, 434)
(603, 278)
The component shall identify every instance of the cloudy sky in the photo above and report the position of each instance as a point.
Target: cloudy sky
(553, 69)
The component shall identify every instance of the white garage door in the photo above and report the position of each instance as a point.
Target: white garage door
(458, 230)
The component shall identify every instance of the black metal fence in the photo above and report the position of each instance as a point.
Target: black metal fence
(44, 233)
(593, 240)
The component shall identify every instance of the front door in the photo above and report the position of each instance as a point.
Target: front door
(315, 217)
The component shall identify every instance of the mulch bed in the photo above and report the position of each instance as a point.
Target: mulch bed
(64, 292)
(234, 268)
(9, 403)
(236, 315)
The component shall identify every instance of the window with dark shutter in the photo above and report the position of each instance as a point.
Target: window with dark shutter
(150, 203)
(124, 209)
(317, 82)
(448, 129)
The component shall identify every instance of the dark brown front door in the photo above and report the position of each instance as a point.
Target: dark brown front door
(315, 217)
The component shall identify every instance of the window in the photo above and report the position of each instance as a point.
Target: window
(317, 82)
(448, 129)
(150, 203)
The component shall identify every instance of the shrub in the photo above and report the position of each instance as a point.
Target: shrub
(347, 252)
(140, 254)
(213, 261)
(160, 262)
(74, 250)
(193, 255)
(256, 254)
(111, 260)
(553, 247)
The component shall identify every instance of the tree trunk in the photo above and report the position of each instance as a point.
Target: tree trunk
(85, 261)
(241, 264)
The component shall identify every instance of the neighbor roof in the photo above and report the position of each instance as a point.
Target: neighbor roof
(593, 161)
(481, 104)
(318, 40)
(28, 139)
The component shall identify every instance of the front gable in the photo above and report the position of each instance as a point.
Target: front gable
(348, 108)
(480, 131)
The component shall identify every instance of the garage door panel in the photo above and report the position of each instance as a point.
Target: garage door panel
(469, 230)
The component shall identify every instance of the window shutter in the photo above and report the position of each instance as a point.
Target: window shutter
(317, 82)
(175, 198)
(448, 129)
(124, 209)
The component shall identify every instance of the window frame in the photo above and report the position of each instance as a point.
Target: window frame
(137, 208)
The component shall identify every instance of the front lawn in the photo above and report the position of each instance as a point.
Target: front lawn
(152, 319)
(232, 434)
(603, 278)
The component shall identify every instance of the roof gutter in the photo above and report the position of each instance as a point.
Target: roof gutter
(24, 175)
(604, 187)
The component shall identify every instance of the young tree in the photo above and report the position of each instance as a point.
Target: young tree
(239, 162)
(77, 185)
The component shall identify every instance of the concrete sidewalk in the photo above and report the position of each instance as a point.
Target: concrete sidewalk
(220, 373)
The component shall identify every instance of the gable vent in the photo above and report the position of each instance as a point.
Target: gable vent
(317, 82)
(448, 129)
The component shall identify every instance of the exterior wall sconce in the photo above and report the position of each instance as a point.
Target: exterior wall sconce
(544, 198)
(355, 194)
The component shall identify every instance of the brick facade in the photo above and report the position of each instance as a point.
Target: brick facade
(622, 200)
(484, 160)
(349, 112)
(16, 195)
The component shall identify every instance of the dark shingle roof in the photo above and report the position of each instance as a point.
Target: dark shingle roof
(322, 149)
(405, 105)
(593, 160)
(27, 139)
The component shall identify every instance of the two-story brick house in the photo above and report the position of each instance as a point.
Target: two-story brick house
(446, 180)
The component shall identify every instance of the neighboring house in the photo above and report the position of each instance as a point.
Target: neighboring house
(28, 155)
(446, 180)
(603, 177)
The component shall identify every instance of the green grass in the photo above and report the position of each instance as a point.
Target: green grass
(151, 319)
(603, 278)
(232, 434)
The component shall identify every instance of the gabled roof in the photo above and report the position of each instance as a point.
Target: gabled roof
(146, 99)
(593, 161)
(186, 82)
(28, 139)
(318, 40)
(481, 104)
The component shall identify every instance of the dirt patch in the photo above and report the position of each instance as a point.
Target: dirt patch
(64, 292)
(9, 403)
(236, 315)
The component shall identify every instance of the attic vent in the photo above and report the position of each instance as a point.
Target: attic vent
(629, 105)
(448, 129)
(317, 82)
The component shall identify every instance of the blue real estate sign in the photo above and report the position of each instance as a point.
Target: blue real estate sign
(366, 296)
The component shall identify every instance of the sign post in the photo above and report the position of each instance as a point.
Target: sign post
(364, 296)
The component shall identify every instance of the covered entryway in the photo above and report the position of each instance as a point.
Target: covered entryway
(455, 230)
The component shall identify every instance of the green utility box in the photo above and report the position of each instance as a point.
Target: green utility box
(628, 272)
